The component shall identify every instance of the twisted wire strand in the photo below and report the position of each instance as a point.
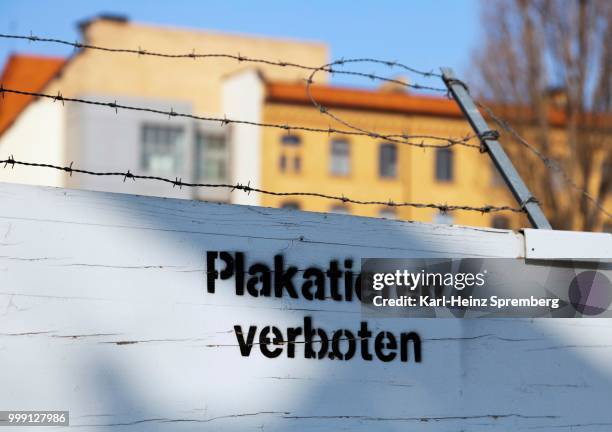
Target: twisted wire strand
(387, 137)
(225, 121)
(241, 58)
(177, 182)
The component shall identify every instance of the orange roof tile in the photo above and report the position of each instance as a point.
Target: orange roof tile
(24, 72)
(371, 100)
(403, 103)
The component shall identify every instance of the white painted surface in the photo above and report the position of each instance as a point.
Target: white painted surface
(99, 139)
(37, 135)
(242, 98)
(553, 244)
(104, 312)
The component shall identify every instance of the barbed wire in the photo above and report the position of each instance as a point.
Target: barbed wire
(548, 162)
(225, 121)
(177, 182)
(326, 111)
(396, 138)
(245, 59)
(328, 68)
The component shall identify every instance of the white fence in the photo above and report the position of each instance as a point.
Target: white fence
(105, 311)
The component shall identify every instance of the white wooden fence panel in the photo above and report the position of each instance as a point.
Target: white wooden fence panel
(104, 312)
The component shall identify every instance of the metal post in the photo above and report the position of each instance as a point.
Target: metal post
(489, 140)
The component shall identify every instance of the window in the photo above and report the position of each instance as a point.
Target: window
(340, 209)
(387, 160)
(444, 164)
(161, 149)
(211, 157)
(443, 218)
(340, 162)
(500, 222)
(291, 140)
(290, 158)
(291, 205)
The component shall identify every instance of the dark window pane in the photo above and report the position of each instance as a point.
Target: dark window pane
(291, 140)
(387, 160)
(282, 163)
(444, 164)
(500, 222)
(293, 205)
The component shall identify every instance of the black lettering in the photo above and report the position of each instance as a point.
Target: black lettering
(265, 341)
(228, 271)
(416, 342)
(352, 345)
(239, 271)
(364, 334)
(348, 280)
(379, 346)
(334, 275)
(245, 347)
(292, 334)
(309, 333)
(211, 272)
(260, 275)
(319, 282)
(283, 279)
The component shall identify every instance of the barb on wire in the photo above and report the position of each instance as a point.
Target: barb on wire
(225, 121)
(242, 59)
(396, 138)
(548, 162)
(248, 189)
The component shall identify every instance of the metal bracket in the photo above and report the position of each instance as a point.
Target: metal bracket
(489, 141)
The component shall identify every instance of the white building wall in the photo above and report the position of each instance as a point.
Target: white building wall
(98, 139)
(36, 136)
(243, 96)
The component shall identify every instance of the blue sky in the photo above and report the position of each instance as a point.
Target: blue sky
(422, 33)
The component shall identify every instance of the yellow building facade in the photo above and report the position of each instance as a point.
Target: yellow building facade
(455, 176)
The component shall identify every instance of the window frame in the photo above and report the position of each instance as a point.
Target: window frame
(198, 168)
(395, 160)
(291, 140)
(146, 147)
(448, 175)
(345, 165)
